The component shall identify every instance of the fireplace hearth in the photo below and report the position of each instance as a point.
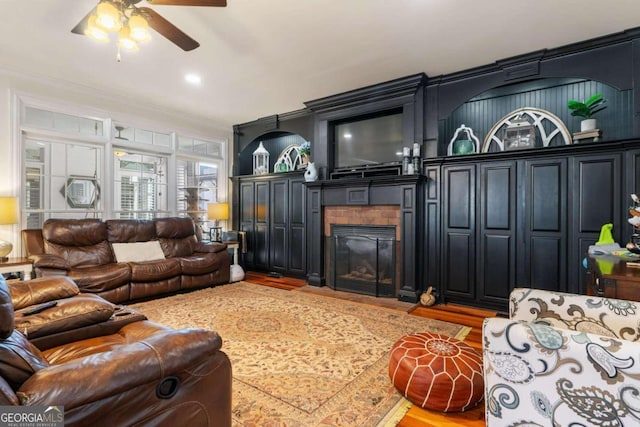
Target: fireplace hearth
(363, 259)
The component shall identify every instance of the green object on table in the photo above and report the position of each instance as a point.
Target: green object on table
(605, 267)
(606, 238)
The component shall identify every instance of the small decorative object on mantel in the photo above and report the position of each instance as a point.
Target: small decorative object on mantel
(304, 152)
(586, 110)
(548, 127)
(463, 146)
(416, 158)
(260, 160)
(587, 136)
(519, 134)
(406, 160)
(311, 174)
(288, 160)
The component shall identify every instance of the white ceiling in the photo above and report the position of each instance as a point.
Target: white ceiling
(264, 57)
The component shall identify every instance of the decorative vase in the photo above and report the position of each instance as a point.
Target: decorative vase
(311, 174)
(587, 125)
(463, 146)
(305, 159)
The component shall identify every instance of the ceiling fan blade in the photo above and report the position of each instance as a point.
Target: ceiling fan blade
(168, 30)
(210, 3)
(82, 25)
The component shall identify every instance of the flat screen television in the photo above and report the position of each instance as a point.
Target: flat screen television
(368, 140)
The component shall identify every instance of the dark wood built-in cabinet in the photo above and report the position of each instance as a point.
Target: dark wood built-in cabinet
(526, 222)
(272, 213)
(473, 226)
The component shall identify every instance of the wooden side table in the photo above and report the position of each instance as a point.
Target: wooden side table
(17, 265)
(613, 277)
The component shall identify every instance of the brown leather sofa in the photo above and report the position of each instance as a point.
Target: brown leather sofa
(142, 374)
(83, 249)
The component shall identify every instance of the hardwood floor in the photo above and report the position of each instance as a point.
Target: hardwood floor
(416, 416)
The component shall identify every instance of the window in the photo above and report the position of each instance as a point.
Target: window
(78, 166)
(197, 183)
(62, 180)
(140, 185)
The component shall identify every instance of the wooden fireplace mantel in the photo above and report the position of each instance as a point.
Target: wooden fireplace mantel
(405, 191)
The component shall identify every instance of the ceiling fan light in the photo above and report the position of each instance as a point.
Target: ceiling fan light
(108, 16)
(125, 41)
(139, 28)
(96, 32)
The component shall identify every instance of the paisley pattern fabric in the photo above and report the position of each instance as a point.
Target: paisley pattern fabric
(563, 360)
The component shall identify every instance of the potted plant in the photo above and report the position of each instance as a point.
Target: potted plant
(304, 151)
(586, 110)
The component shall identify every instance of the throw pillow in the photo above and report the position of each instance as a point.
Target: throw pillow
(138, 251)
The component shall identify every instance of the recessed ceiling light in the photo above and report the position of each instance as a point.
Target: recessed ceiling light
(193, 79)
(347, 136)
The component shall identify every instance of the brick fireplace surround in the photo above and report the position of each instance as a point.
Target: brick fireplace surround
(362, 215)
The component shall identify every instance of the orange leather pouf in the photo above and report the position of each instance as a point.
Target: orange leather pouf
(437, 372)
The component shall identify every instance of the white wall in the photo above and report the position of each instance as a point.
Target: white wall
(83, 100)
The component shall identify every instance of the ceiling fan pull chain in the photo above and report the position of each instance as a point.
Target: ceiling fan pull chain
(118, 56)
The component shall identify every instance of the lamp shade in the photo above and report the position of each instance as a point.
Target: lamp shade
(218, 211)
(8, 210)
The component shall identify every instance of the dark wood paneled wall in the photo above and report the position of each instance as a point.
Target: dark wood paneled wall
(479, 224)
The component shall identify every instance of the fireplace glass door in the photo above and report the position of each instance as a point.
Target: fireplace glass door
(364, 261)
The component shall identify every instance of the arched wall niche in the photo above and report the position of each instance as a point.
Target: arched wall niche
(273, 142)
(482, 111)
(609, 60)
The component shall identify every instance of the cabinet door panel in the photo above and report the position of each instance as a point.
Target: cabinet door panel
(459, 232)
(497, 231)
(261, 253)
(278, 246)
(460, 266)
(544, 256)
(596, 201)
(460, 206)
(546, 273)
(247, 209)
(545, 196)
(497, 196)
(497, 267)
(297, 250)
(599, 183)
(297, 236)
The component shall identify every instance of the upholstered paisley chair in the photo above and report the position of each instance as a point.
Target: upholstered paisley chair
(563, 360)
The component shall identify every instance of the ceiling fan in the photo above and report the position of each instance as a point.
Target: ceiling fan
(132, 22)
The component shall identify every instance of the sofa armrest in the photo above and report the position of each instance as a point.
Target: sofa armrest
(606, 316)
(41, 289)
(545, 375)
(212, 247)
(7, 395)
(104, 374)
(49, 261)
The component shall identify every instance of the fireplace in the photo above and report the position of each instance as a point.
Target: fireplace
(363, 259)
(396, 202)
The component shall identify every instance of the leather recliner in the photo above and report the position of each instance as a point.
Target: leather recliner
(145, 374)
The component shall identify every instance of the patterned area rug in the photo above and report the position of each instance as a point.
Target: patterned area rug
(299, 359)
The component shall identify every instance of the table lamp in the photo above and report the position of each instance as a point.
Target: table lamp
(8, 216)
(217, 212)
